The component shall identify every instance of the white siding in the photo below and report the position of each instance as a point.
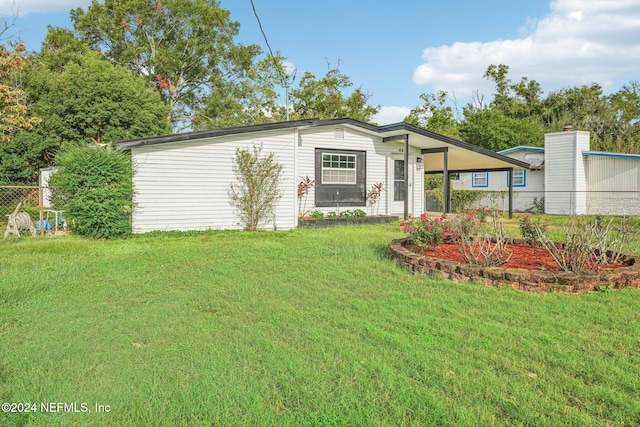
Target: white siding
(498, 186)
(565, 177)
(582, 144)
(613, 184)
(379, 165)
(184, 186)
(43, 181)
(417, 183)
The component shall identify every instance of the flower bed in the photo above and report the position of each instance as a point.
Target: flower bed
(532, 280)
(308, 222)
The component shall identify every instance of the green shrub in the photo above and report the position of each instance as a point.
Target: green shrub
(461, 200)
(427, 233)
(317, 214)
(528, 227)
(94, 187)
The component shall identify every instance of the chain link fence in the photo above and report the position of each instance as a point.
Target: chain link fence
(625, 203)
(33, 201)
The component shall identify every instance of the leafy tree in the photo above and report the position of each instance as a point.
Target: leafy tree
(94, 184)
(60, 48)
(96, 101)
(626, 106)
(14, 114)
(521, 100)
(519, 115)
(182, 46)
(435, 115)
(83, 98)
(493, 130)
(257, 191)
(22, 157)
(581, 106)
(324, 98)
(612, 119)
(249, 98)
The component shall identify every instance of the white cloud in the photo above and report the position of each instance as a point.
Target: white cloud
(391, 114)
(578, 42)
(24, 7)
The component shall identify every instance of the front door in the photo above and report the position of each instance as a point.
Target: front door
(399, 180)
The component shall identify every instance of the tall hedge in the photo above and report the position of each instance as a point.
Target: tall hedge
(95, 190)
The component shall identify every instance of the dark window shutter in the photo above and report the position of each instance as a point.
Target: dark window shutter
(347, 195)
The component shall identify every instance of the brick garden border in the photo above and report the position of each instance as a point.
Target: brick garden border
(516, 278)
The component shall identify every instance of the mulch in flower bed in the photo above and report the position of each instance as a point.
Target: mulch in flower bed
(527, 257)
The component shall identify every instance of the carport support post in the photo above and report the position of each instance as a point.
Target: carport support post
(447, 187)
(510, 193)
(406, 176)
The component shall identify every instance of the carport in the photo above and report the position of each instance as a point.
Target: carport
(441, 154)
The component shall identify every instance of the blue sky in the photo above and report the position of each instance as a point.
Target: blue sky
(398, 50)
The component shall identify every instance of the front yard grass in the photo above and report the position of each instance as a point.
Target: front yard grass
(303, 327)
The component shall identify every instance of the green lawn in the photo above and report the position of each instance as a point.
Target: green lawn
(297, 328)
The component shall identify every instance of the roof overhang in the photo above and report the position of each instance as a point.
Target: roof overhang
(462, 156)
(522, 148)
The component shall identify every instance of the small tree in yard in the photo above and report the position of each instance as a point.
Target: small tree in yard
(257, 191)
(373, 196)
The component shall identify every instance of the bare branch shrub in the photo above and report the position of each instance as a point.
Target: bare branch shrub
(589, 245)
(610, 241)
(257, 191)
(487, 247)
(575, 253)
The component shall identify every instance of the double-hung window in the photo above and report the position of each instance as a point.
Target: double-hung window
(480, 179)
(338, 168)
(341, 176)
(519, 178)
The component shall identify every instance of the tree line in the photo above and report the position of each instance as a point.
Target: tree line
(137, 68)
(519, 114)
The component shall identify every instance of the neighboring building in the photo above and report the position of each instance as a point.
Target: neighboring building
(528, 184)
(181, 181)
(565, 178)
(43, 181)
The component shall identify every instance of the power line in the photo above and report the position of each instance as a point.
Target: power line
(283, 79)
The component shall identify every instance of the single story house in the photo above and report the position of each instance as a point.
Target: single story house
(181, 181)
(564, 178)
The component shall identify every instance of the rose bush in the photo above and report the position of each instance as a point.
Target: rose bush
(427, 232)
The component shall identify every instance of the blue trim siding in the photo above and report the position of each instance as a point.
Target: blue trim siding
(524, 179)
(606, 154)
(521, 148)
(486, 179)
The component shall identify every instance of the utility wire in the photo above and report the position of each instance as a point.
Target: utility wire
(285, 80)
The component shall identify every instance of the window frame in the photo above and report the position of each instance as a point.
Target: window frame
(478, 174)
(330, 169)
(340, 194)
(524, 178)
(396, 181)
